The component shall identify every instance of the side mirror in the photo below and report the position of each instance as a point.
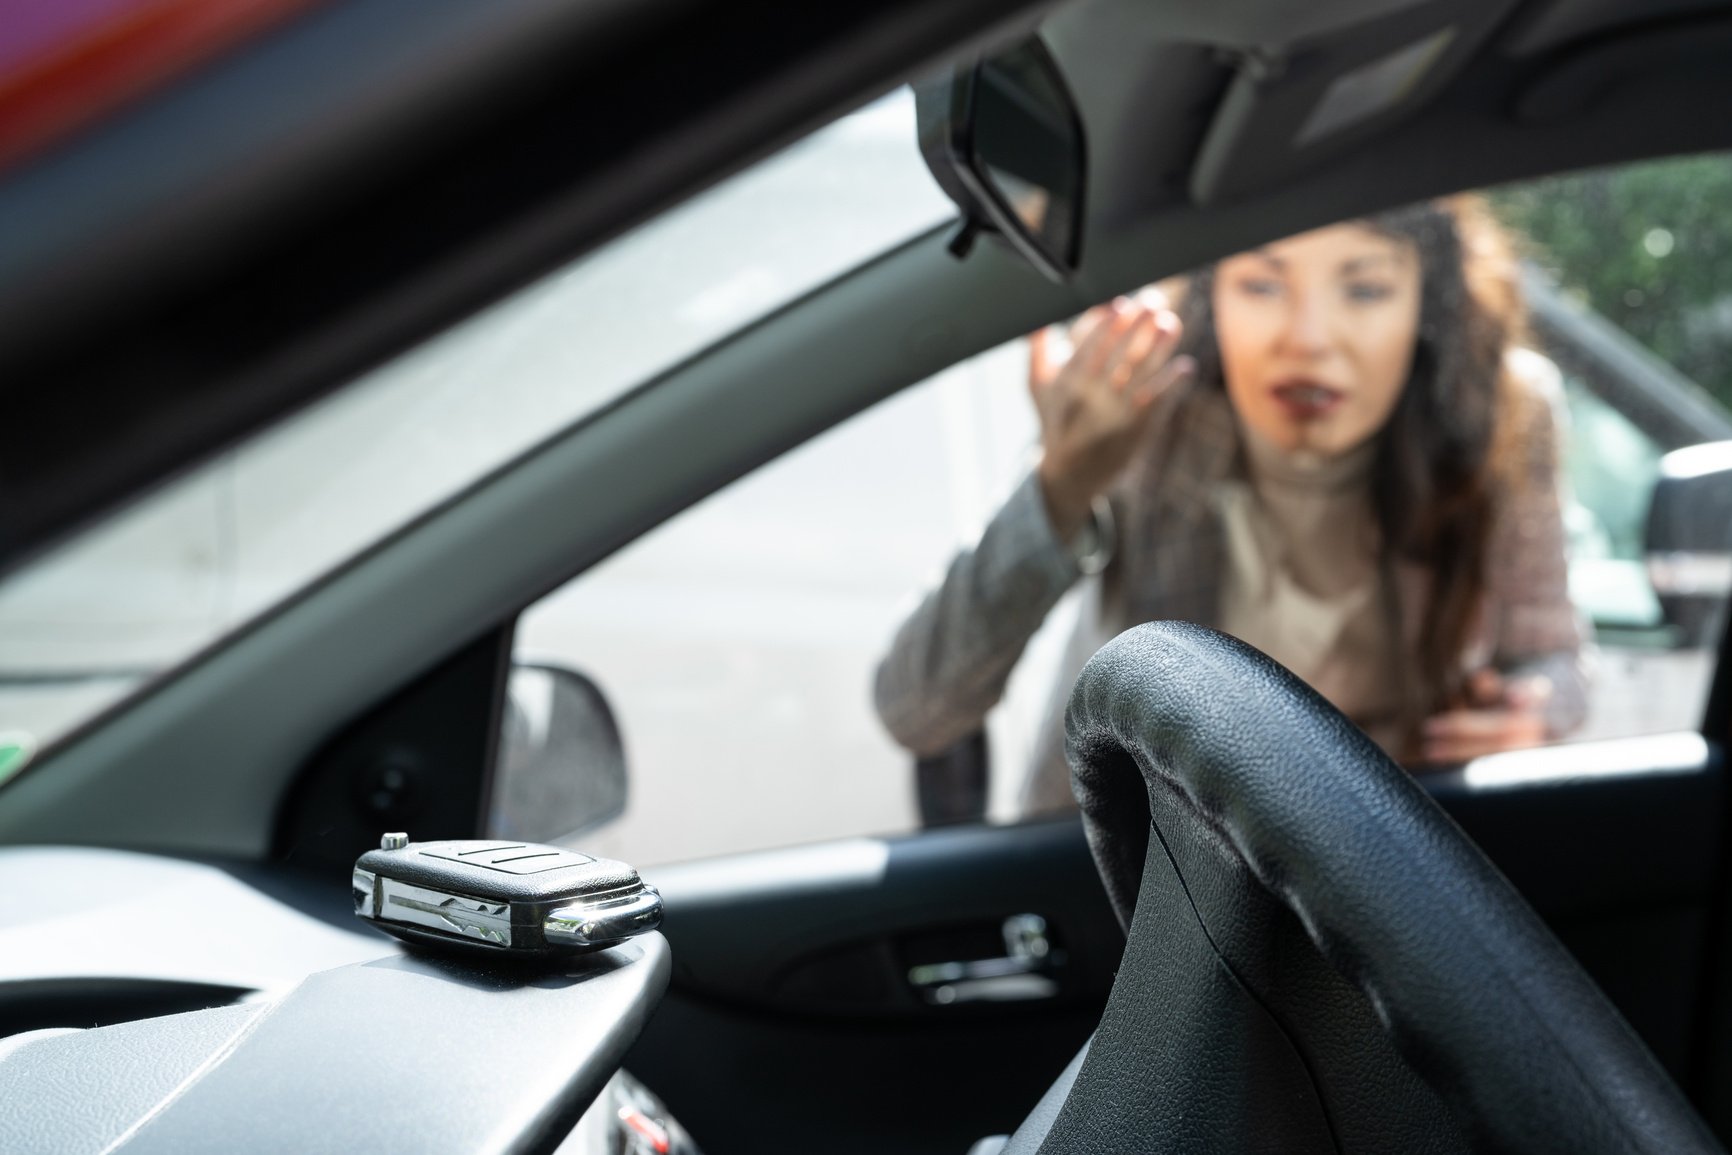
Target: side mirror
(1003, 139)
(561, 764)
(1689, 540)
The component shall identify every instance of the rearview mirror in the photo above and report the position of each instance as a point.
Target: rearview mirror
(1689, 540)
(1004, 141)
(561, 764)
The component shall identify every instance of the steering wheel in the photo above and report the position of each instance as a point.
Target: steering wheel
(1318, 960)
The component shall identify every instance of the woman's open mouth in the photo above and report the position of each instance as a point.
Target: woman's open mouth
(1305, 400)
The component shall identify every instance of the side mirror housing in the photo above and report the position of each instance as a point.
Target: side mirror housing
(561, 764)
(1689, 540)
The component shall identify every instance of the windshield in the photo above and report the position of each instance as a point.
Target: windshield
(177, 572)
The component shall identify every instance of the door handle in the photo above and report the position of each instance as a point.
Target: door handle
(1022, 974)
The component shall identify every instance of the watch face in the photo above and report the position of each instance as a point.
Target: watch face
(1092, 548)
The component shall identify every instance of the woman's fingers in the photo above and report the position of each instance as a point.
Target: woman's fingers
(1531, 693)
(1485, 687)
(1105, 347)
(1113, 347)
(1132, 349)
(1472, 723)
(1127, 348)
(1458, 735)
(1092, 400)
(1156, 360)
(1040, 367)
(1045, 362)
(1087, 323)
(1153, 299)
(1147, 391)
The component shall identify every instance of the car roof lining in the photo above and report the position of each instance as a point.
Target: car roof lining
(1585, 77)
(1548, 27)
(1234, 105)
(196, 764)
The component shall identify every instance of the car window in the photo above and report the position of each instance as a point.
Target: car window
(735, 642)
(1631, 269)
(1611, 466)
(738, 641)
(193, 562)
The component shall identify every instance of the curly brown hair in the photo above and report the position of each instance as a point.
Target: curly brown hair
(1449, 446)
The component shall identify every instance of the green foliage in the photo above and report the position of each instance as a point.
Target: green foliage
(1649, 246)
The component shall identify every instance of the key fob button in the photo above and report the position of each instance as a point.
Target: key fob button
(510, 857)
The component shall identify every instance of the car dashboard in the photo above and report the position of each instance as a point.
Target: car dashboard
(150, 1003)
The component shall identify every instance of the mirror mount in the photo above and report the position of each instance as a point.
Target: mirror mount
(962, 243)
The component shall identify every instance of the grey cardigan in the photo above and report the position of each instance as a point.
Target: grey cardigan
(949, 662)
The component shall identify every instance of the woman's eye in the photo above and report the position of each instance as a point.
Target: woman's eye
(1259, 286)
(1366, 291)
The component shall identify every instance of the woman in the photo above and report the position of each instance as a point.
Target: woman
(1339, 455)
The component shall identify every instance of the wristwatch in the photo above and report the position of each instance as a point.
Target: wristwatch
(1092, 546)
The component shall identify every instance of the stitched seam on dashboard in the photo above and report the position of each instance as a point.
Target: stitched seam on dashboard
(210, 1063)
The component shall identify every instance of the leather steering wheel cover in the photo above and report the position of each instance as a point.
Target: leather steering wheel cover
(1173, 725)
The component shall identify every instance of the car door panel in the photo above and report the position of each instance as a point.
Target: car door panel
(791, 1008)
(791, 1014)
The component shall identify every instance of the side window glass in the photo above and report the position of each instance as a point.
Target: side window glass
(736, 643)
(1627, 283)
(1609, 466)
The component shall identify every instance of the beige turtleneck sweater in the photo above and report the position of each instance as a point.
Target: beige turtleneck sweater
(1303, 582)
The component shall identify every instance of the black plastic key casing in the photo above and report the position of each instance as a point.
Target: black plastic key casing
(491, 895)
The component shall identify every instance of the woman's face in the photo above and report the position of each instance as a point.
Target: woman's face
(1317, 335)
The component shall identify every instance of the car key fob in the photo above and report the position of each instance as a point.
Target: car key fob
(502, 898)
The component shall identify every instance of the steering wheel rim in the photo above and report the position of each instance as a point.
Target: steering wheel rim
(1317, 957)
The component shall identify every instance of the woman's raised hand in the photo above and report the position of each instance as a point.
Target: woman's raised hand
(1095, 404)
